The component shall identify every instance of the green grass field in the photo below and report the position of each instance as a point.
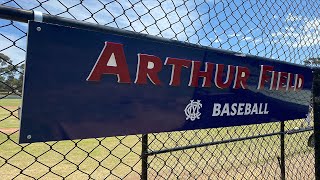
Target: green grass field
(119, 157)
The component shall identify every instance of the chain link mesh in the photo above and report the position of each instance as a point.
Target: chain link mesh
(279, 29)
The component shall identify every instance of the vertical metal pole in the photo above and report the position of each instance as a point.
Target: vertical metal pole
(144, 157)
(282, 152)
(316, 116)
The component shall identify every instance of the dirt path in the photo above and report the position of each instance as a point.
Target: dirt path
(10, 107)
(9, 130)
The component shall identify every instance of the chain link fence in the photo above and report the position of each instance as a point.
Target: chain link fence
(279, 29)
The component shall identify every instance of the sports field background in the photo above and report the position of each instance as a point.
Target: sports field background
(119, 157)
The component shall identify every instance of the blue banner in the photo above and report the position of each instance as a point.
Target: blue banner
(86, 84)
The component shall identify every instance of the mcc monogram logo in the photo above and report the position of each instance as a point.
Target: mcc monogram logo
(192, 110)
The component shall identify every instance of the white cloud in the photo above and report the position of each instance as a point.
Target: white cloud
(289, 28)
(247, 38)
(291, 17)
(312, 25)
(276, 34)
(308, 33)
(235, 34)
(258, 40)
(217, 40)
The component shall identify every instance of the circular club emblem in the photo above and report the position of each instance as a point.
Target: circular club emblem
(192, 110)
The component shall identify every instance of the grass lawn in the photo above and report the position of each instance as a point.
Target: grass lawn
(10, 102)
(119, 157)
(9, 113)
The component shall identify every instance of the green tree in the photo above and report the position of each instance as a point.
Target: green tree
(11, 78)
(312, 61)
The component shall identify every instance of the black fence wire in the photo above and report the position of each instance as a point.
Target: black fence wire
(283, 30)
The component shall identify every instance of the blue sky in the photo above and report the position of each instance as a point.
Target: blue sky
(277, 29)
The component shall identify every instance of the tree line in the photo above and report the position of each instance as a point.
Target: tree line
(11, 79)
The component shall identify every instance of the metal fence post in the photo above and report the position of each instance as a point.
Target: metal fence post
(282, 152)
(316, 112)
(144, 157)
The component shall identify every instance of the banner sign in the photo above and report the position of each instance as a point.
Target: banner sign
(85, 84)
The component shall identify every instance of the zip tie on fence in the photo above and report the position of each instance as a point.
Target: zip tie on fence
(38, 16)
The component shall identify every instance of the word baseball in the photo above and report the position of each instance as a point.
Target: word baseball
(112, 61)
(239, 109)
